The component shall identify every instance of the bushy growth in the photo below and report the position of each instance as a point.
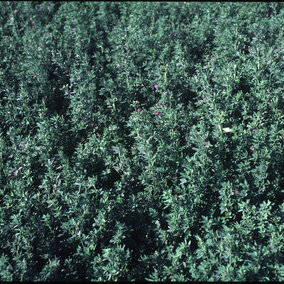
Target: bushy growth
(141, 141)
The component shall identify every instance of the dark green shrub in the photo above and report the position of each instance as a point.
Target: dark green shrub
(141, 141)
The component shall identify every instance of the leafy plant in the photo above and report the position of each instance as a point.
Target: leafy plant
(141, 141)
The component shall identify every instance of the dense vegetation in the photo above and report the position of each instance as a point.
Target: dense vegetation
(141, 141)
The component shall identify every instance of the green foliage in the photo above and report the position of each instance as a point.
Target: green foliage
(141, 141)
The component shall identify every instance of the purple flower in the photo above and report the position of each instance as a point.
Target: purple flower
(199, 99)
(75, 31)
(158, 112)
(156, 87)
(40, 8)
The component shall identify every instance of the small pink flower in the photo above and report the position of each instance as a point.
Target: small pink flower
(249, 50)
(8, 39)
(254, 34)
(33, 26)
(211, 56)
(40, 8)
(53, 89)
(12, 19)
(236, 192)
(175, 34)
(252, 148)
(156, 87)
(158, 112)
(75, 31)
(166, 92)
(270, 15)
(139, 109)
